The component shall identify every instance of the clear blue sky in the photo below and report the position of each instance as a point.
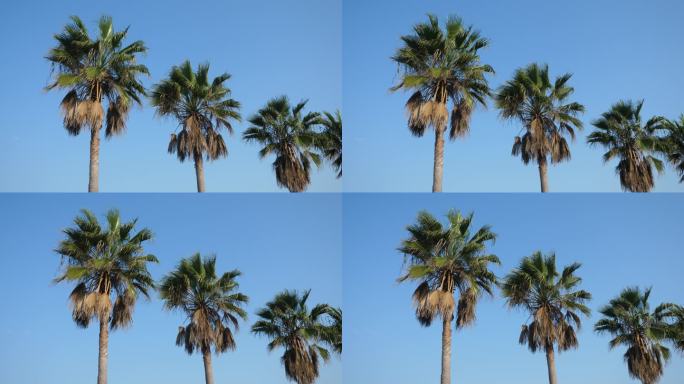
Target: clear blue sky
(270, 47)
(617, 49)
(620, 240)
(277, 241)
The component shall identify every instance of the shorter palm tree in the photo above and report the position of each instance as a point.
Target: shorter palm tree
(628, 318)
(446, 260)
(202, 108)
(546, 115)
(331, 139)
(211, 303)
(289, 324)
(673, 145)
(553, 301)
(105, 263)
(622, 132)
(286, 132)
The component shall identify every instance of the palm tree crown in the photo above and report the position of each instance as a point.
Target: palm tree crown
(105, 262)
(546, 114)
(331, 142)
(442, 66)
(674, 145)
(623, 134)
(628, 318)
(289, 324)
(289, 134)
(96, 71)
(211, 303)
(553, 301)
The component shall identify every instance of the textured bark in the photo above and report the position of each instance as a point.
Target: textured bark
(542, 175)
(199, 172)
(446, 350)
(208, 372)
(94, 171)
(103, 353)
(551, 364)
(438, 167)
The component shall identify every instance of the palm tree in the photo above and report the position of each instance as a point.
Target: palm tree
(628, 318)
(289, 324)
(105, 264)
(96, 72)
(201, 108)
(673, 144)
(622, 133)
(441, 66)
(331, 141)
(553, 302)
(284, 131)
(446, 260)
(211, 303)
(545, 113)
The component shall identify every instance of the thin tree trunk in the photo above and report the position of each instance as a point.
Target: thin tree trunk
(103, 353)
(446, 350)
(438, 167)
(94, 171)
(199, 172)
(542, 174)
(551, 364)
(208, 372)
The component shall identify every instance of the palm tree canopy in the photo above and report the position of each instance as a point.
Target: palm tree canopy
(674, 145)
(288, 133)
(628, 318)
(211, 303)
(446, 259)
(543, 109)
(552, 299)
(441, 65)
(105, 262)
(331, 139)
(289, 324)
(622, 132)
(93, 70)
(202, 108)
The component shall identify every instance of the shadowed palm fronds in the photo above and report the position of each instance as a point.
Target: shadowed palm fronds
(331, 139)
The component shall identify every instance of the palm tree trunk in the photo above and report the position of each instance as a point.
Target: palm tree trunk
(199, 172)
(208, 372)
(542, 174)
(103, 353)
(551, 364)
(446, 350)
(438, 167)
(94, 171)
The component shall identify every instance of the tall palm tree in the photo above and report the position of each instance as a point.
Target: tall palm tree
(448, 260)
(289, 324)
(622, 133)
(628, 318)
(673, 144)
(202, 108)
(442, 67)
(289, 134)
(105, 263)
(96, 72)
(553, 301)
(211, 303)
(331, 141)
(542, 107)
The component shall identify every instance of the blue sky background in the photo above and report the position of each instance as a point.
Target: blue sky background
(270, 47)
(617, 49)
(621, 240)
(277, 241)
